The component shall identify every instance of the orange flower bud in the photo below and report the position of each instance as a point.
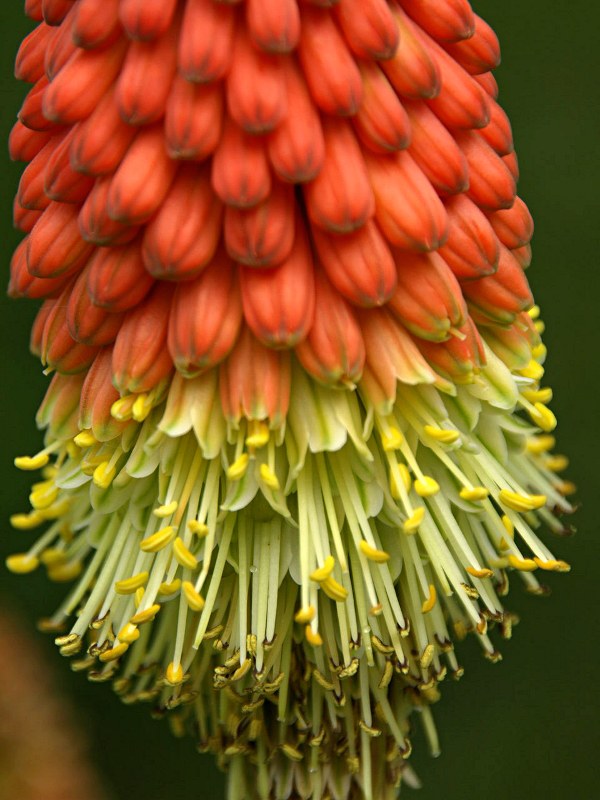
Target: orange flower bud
(29, 64)
(488, 83)
(181, 238)
(96, 21)
(340, 198)
(205, 317)
(55, 11)
(274, 25)
(255, 381)
(60, 407)
(371, 34)
(97, 396)
(59, 349)
(279, 303)
(330, 71)
(88, 323)
(419, 221)
(240, 170)
(61, 47)
(458, 359)
(480, 52)
(80, 85)
(55, 246)
(143, 178)
(500, 297)
(206, 41)
(146, 75)
(61, 181)
(512, 344)
(358, 264)
(256, 97)
(413, 69)
(95, 225)
(491, 184)
(513, 226)
(498, 132)
(193, 119)
(23, 284)
(446, 20)
(23, 218)
(461, 103)
(140, 358)
(262, 236)
(472, 249)
(31, 113)
(100, 141)
(428, 299)
(334, 351)
(381, 121)
(146, 19)
(296, 147)
(435, 150)
(31, 193)
(24, 143)
(116, 277)
(37, 329)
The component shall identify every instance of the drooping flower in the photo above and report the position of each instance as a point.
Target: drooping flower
(296, 436)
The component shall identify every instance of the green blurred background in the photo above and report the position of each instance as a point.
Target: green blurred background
(525, 728)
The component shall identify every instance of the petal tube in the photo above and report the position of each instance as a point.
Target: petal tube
(193, 119)
(117, 279)
(273, 25)
(206, 41)
(146, 19)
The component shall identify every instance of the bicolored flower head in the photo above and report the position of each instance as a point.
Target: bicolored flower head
(296, 435)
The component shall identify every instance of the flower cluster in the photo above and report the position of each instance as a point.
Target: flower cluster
(296, 438)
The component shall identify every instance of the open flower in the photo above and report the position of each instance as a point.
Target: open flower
(296, 436)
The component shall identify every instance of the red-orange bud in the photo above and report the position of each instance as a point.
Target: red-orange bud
(274, 25)
(472, 249)
(193, 119)
(240, 169)
(372, 33)
(96, 21)
(206, 41)
(146, 19)
(55, 246)
(500, 297)
(413, 69)
(381, 122)
(88, 323)
(446, 20)
(117, 279)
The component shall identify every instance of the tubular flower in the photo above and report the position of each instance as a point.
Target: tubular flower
(296, 438)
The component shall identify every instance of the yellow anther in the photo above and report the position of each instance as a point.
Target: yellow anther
(268, 477)
(392, 439)
(431, 600)
(522, 564)
(534, 312)
(183, 555)
(174, 674)
(44, 496)
(474, 494)
(539, 352)
(404, 477)
(29, 463)
(312, 637)
(305, 615)
(540, 326)
(553, 565)
(427, 656)
(122, 408)
(480, 573)
(426, 486)
(200, 529)
(533, 370)
(522, 502)
(325, 571)
(158, 540)
(129, 585)
(138, 596)
(540, 444)
(291, 752)
(334, 590)
(510, 530)
(538, 395)
(56, 510)
(442, 434)
(376, 610)
(21, 563)
(103, 475)
(142, 406)
(165, 511)
(50, 471)
(259, 434)
(238, 469)
(52, 556)
(128, 633)
(567, 488)
(543, 417)
(194, 599)
(411, 525)
(63, 573)
(146, 615)
(556, 463)
(170, 588)
(26, 522)
(85, 439)
(373, 554)
(114, 652)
